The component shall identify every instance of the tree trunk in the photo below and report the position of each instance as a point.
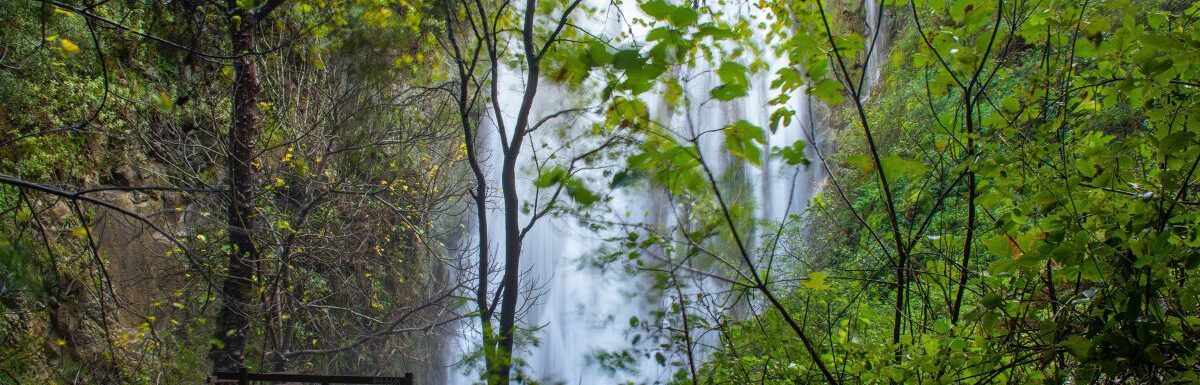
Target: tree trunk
(228, 353)
(512, 209)
(512, 267)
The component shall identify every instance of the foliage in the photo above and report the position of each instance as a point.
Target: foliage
(1014, 200)
(1026, 170)
(114, 151)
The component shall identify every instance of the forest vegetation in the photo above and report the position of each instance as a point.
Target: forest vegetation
(973, 191)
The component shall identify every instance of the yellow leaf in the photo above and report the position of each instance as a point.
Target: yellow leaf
(816, 281)
(79, 232)
(227, 74)
(68, 47)
(23, 215)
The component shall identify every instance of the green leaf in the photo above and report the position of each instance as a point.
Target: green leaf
(862, 163)
(684, 16)
(736, 81)
(787, 80)
(657, 9)
(627, 59)
(716, 31)
(895, 165)
(733, 73)
(941, 327)
(829, 91)
(794, 154)
(659, 33)
(742, 139)
(580, 193)
(992, 300)
(999, 245)
(729, 92)
(781, 118)
(624, 178)
(1079, 346)
(598, 54)
(550, 177)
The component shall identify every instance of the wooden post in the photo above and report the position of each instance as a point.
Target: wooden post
(243, 376)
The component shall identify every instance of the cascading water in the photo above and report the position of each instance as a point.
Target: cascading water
(583, 310)
(877, 32)
(578, 311)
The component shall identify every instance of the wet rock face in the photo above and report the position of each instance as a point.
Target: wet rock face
(123, 175)
(137, 256)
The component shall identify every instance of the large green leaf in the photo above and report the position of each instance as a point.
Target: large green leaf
(551, 176)
(657, 9)
(743, 138)
(727, 92)
(733, 73)
(828, 91)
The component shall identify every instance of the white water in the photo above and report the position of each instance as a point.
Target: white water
(876, 21)
(581, 310)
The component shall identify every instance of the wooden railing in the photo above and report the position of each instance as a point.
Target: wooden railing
(243, 377)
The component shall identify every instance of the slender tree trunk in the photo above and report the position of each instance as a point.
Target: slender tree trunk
(512, 267)
(971, 195)
(512, 262)
(228, 353)
(480, 198)
(465, 66)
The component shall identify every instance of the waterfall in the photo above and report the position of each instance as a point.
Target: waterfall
(878, 26)
(583, 310)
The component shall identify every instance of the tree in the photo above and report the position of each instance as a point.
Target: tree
(1015, 202)
(1005, 125)
(228, 350)
(346, 273)
(481, 52)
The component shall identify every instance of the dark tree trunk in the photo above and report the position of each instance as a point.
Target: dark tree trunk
(512, 209)
(228, 353)
(512, 266)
